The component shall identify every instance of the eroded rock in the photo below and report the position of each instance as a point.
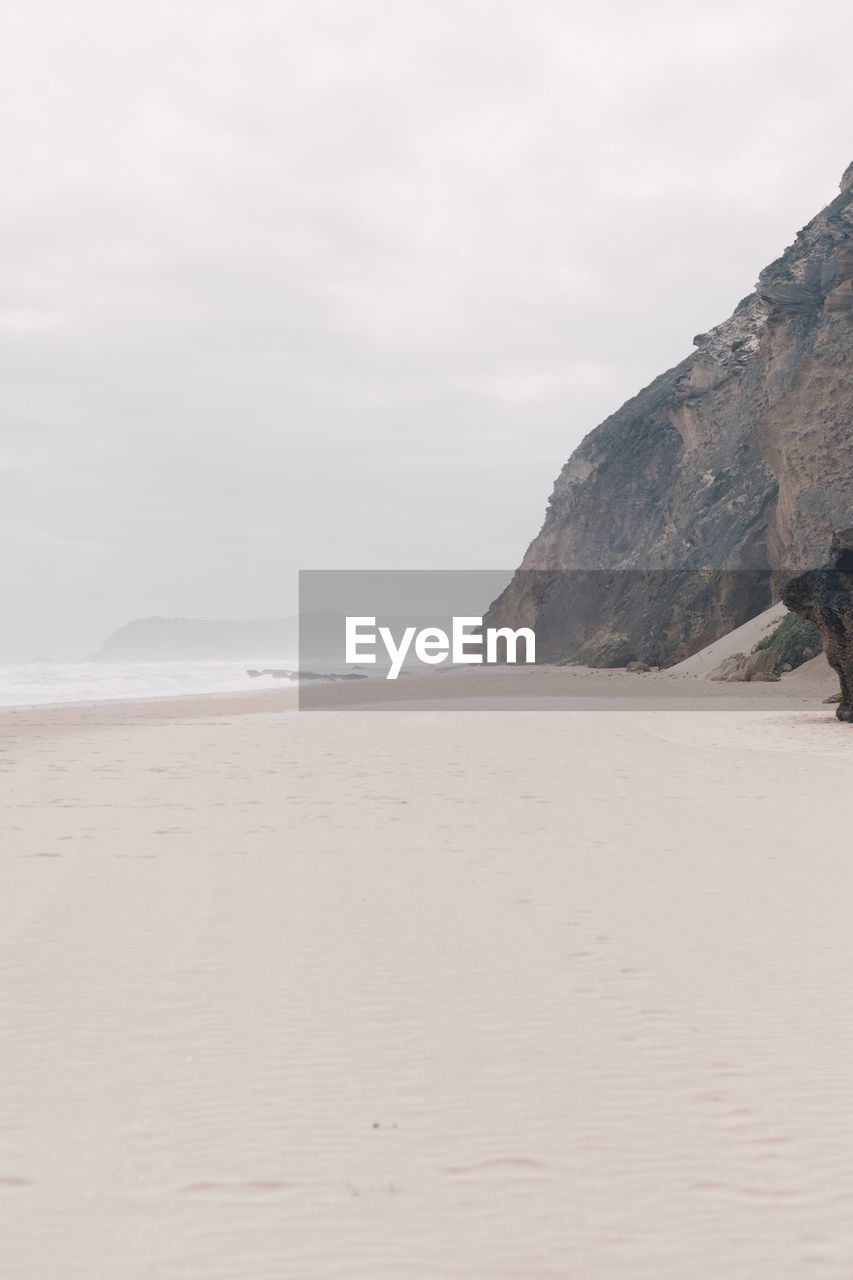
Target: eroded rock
(825, 597)
(762, 665)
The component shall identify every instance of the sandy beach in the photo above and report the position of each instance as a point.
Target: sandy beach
(426, 662)
(419, 996)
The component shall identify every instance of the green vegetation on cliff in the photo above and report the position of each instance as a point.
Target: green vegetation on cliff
(795, 641)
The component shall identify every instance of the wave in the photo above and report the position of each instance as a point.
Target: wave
(49, 683)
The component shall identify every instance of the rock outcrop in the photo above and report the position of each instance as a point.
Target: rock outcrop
(738, 459)
(825, 597)
(763, 665)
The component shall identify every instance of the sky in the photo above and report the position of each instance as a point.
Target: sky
(342, 283)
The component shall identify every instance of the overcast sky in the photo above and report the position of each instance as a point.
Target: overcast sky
(341, 283)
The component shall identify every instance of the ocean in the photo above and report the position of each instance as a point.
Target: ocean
(47, 683)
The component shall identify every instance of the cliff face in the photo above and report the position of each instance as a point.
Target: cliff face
(741, 457)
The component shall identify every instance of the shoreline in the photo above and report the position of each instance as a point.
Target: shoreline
(540, 680)
(143, 699)
(508, 690)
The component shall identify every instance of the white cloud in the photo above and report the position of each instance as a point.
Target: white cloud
(264, 262)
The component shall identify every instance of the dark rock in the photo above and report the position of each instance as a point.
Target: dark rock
(825, 597)
(307, 677)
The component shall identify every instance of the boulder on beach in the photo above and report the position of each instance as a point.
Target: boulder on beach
(825, 597)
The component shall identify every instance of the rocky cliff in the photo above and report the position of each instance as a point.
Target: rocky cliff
(738, 459)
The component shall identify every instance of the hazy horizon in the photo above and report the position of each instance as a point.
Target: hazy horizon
(316, 287)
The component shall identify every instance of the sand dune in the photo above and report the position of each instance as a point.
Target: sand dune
(741, 640)
(815, 672)
(417, 996)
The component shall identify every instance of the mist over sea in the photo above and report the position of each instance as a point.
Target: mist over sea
(46, 683)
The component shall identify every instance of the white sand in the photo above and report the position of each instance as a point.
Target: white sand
(742, 640)
(426, 996)
(816, 670)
